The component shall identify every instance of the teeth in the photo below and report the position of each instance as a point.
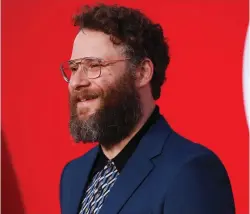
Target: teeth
(82, 100)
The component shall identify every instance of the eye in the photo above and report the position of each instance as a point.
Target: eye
(94, 65)
(73, 67)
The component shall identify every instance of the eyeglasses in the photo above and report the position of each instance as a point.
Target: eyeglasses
(91, 66)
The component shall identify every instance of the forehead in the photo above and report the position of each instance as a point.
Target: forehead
(90, 43)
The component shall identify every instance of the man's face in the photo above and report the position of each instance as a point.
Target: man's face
(106, 108)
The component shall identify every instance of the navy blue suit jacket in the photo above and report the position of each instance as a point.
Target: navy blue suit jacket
(167, 174)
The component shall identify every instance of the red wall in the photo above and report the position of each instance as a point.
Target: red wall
(202, 98)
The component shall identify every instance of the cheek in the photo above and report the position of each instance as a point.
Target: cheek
(70, 89)
(103, 86)
(106, 81)
(70, 92)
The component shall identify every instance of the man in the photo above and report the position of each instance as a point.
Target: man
(141, 165)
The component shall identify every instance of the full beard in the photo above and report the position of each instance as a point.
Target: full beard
(118, 115)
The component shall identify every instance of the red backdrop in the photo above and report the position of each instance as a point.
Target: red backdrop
(202, 98)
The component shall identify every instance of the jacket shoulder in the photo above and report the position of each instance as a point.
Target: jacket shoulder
(198, 170)
(79, 161)
(184, 149)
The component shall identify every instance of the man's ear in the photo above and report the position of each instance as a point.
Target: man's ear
(144, 73)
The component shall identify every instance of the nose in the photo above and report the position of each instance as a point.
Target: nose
(79, 80)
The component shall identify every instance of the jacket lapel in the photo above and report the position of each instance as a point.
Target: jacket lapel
(80, 178)
(137, 168)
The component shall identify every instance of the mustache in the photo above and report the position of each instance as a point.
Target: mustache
(84, 94)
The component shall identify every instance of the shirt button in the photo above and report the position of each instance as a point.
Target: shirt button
(109, 164)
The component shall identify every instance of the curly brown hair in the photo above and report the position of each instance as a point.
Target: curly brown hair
(140, 36)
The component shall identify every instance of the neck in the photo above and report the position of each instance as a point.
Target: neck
(117, 148)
